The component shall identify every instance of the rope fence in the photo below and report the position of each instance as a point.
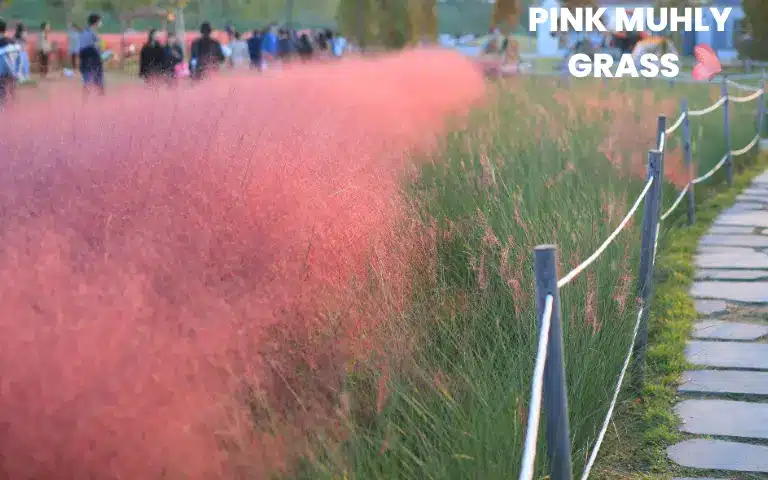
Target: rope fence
(548, 385)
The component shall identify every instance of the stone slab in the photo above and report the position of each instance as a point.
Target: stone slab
(727, 354)
(722, 330)
(720, 455)
(725, 381)
(737, 258)
(735, 240)
(757, 191)
(720, 229)
(747, 292)
(731, 274)
(709, 307)
(729, 418)
(756, 218)
(744, 207)
(715, 250)
(755, 200)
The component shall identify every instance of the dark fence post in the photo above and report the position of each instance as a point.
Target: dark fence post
(749, 66)
(761, 112)
(727, 127)
(555, 390)
(661, 128)
(687, 161)
(645, 275)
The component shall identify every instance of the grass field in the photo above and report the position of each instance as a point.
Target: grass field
(372, 281)
(540, 165)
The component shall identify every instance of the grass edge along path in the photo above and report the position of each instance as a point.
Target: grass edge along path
(646, 425)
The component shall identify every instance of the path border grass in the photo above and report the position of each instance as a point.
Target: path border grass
(646, 424)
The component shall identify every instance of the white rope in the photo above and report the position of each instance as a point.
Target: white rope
(534, 409)
(677, 124)
(741, 86)
(711, 172)
(698, 113)
(608, 416)
(677, 202)
(746, 99)
(573, 273)
(656, 242)
(749, 146)
(662, 141)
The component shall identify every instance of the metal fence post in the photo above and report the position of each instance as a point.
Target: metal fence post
(727, 127)
(687, 161)
(761, 112)
(661, 130)
(645, 275)
(555, 390)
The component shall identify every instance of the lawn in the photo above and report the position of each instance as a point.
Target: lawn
(541, 164)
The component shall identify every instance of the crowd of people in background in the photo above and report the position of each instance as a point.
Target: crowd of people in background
(162, 59)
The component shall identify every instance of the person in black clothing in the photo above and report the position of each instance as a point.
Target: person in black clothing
(152, 61)
(206, 53)
(322, 41)
(285, 47)
(174, 55)
(254, 49)
(305, 47)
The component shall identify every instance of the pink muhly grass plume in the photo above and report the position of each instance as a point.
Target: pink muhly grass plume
(176, 264)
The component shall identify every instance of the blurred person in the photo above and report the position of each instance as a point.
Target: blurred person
(338, 45)
(254, 49)
(240, 56)
(9, 64)
(91, 63)
(73, 44)
(152, 61)
(174, 56)
(285, 45)
(304, 47)
(269, 46)
(20, 38)
(44, 48)
(322, 41)
(206, 53)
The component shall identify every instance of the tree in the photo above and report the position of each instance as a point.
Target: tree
(507, 12)
(579, 3)
(755, 43)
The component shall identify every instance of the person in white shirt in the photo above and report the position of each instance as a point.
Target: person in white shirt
(240, 56)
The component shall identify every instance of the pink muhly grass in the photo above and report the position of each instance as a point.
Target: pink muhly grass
(591, 303)
(177, 263)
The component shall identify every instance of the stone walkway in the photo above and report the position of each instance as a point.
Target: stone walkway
(724, 406)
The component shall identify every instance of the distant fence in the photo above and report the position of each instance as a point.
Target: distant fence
(548, 383)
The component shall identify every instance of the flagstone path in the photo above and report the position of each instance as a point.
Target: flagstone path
(724, 398)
